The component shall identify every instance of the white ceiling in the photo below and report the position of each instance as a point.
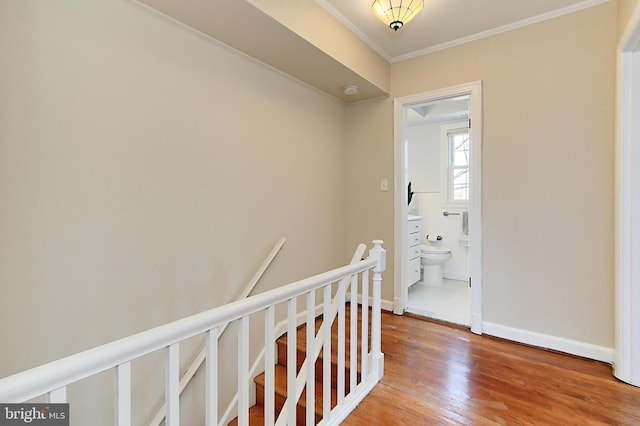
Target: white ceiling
(440, 111)
(445, 23)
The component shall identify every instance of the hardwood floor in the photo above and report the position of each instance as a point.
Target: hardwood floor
(437, 374)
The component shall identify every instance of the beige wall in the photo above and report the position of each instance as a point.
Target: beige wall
(370, 154)
(625, 9)
(145, 172)
(312, 22)
(547, 169)
(144, 165)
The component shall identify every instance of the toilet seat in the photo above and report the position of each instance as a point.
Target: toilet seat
(430, 249)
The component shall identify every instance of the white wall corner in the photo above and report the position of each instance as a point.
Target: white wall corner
(546, 341)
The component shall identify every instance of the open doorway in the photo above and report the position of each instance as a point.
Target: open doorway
(443, 216)
(437, 137)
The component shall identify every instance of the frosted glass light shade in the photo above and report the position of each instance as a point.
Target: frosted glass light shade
(396, 13)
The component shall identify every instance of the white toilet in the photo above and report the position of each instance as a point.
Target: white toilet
(432, 257)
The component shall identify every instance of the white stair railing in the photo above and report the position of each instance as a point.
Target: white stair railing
(53, 379)
(306, 375)
(199, 359)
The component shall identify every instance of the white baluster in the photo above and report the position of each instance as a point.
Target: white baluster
(377, 357)
(211, 373)
(165, 337)
(243, 371)
(291, 362)
(58, 396)
(123, 394)
(341, 342)
(353, 350)
(172, 389)
(269, 366)
(311, 350)
(326, 351)
(364, 345)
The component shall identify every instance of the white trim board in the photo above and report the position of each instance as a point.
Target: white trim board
(573, 347)
(385, 305)
(627, 256)
(454, 276)
(502, 29)
(473, 37)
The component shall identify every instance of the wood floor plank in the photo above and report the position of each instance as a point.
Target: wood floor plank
(436, 374)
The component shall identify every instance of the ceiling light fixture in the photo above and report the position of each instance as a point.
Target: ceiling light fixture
(396, 13)
(351, 89)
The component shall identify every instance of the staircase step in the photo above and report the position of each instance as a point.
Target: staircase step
(281, 395)
(319, 368)
(256, 417)
(256, 413)
(301, 342)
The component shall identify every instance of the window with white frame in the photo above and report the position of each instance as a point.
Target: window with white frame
(458, 141)
(455, 165)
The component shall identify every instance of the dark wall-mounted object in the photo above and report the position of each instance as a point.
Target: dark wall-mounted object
(409, 193)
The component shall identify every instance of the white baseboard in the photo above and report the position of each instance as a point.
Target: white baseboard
(573, 347)
(385, 305)
(454, 276)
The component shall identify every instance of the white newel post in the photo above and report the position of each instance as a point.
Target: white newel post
(377, 357)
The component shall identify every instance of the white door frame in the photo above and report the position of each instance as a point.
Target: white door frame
(627, 247)
(401, 210)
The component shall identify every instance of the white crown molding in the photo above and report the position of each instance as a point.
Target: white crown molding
(502, 29)
(334, 12)
(468, 39)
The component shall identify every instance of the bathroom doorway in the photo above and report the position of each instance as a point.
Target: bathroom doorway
(437, 139)
(437, 150)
